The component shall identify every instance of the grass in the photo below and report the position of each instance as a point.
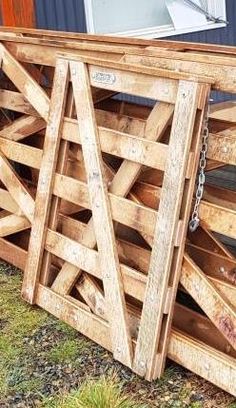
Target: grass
(17, 320)
(103, 393)
(46, 363)
(68, 350)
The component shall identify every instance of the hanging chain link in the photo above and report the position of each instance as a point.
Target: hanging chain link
(195, 220)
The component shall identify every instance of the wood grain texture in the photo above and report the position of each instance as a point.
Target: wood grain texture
(102, 218)
(166, 225)
(45, 183)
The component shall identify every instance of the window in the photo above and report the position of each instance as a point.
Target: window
(146, 18)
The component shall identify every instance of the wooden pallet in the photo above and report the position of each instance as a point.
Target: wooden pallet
(205, 258)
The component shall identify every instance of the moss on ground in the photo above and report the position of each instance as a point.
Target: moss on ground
(45, 363)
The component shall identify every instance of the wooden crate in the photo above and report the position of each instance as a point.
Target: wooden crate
(208, 268)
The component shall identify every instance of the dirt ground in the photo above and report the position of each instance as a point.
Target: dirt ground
(45, 363)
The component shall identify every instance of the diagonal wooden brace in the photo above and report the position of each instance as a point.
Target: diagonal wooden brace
(102, 219)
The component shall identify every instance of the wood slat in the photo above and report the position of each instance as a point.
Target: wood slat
(19, 192)
(169, 264)
(120, 185)
(45, 183)
(25, 83)
(207, 296)
(113, 285)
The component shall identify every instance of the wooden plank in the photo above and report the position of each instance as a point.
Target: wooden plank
(93, 295)
(221, 313)
(206, 239)
(20, 153)
(220, 196)
(223, 76)
(123, 210)
(87, 259)
(12, 254)
(19, 192)
(218, 219)
(152, 319)
(120, 185)
(200, 327)
(113, 285)
(45, 183)
(222, 148)
(12, 224)
(22, 127)
(223, 111)
(128, 42)
(203, 360)
(7, 203)
(213, 264)
(25, 83)
(214, 217)
(15, 101)
(124, 145)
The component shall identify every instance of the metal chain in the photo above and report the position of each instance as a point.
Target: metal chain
(195, 220)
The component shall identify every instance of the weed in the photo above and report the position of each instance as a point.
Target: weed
(104, 393)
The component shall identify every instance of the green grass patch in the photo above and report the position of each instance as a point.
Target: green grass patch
(103, 393)
(18, 320)
(67, 351)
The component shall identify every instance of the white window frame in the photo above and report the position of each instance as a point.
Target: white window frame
(215, 7)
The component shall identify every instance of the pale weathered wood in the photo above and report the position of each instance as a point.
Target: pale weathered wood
(12, 224)
(13, 254)
(22, 127)
(17, 152)
(222, 147)
(25, 83)
(18, 191)
(45, 183)
(8, 203)
(161, 262)
(207, 296)
(113, 287)
(123, 210)
(121, 185)
(15, 101)
(213, 264)
(224, 111)
(218, 219)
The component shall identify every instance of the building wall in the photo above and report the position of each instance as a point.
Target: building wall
(69, 15)
(64, 15)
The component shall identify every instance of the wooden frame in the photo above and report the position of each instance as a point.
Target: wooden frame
(189, 95)
(130, 133)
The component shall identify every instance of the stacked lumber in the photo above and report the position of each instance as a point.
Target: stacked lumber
(96, 194)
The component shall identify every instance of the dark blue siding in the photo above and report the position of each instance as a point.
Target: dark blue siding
(64, 15)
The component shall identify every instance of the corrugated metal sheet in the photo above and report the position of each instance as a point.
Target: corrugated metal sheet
(65, 15)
